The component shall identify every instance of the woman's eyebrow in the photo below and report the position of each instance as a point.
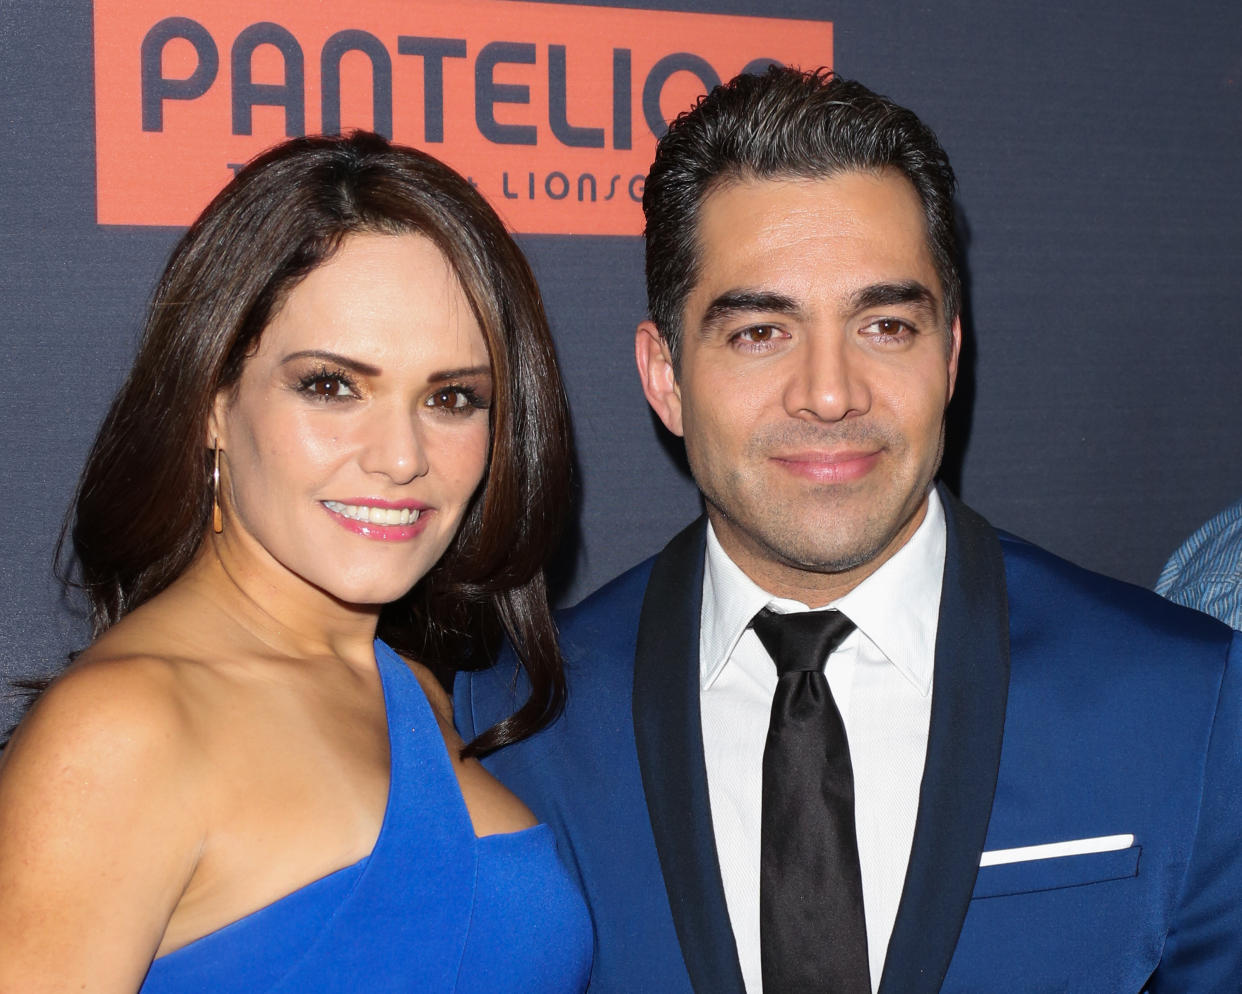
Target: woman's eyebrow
(355, 365)
(460, 374)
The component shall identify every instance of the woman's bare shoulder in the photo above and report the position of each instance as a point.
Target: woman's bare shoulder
(116, 731)
(121, 700)
(101, 819)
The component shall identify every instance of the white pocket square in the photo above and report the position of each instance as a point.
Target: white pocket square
(1053, 850)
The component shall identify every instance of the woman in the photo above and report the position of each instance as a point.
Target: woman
(344, 418)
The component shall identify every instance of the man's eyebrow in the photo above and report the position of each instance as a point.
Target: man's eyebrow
(892, 294)
(748, 301)
(354, 365)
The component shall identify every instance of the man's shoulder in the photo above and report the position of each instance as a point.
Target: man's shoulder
(597, 639)
(608, 617)
(1044, 588)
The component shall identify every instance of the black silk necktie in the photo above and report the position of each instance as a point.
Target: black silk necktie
(812, 932)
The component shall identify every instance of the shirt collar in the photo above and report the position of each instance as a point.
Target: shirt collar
(897, 607)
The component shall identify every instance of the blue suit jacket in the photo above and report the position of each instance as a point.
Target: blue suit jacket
(1065, 706)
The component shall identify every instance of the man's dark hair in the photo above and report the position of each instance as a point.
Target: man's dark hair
(785, 123)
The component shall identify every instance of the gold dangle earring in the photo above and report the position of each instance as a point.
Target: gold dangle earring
(217, 517)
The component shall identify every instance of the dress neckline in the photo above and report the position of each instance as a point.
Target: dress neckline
(404, 713)
(423, 711)
(356, 869)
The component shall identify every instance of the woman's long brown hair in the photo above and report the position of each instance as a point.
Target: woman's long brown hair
(143, 502)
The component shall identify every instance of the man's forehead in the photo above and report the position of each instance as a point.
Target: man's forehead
(850, 229)
(744, 203)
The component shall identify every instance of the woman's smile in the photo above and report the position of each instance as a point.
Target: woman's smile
(365, 409)
(377, 520)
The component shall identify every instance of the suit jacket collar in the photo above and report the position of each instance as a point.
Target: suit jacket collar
(668, 734)
(970, 686)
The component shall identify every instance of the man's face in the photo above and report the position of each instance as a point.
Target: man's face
(814, 374)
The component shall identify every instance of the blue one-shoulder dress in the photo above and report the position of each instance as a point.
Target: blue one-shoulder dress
(432, 909)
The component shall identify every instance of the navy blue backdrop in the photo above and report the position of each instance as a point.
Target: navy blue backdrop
(1099, 151)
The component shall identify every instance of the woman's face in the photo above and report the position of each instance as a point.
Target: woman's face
(359, 430)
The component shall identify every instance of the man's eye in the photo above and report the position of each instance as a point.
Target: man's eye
(889, 328)
(758, 335)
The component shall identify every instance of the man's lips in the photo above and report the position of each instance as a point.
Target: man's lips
(836, 466)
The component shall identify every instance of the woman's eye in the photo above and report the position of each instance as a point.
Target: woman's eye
(452, 399)
(328, 387)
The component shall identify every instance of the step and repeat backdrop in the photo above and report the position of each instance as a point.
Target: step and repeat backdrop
(1098, 148)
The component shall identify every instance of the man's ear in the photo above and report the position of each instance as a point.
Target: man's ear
(655, 369)
(955, 352)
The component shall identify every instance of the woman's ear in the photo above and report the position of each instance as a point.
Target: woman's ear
(216, 421)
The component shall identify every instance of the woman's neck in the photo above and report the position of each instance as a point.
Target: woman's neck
(278, 609)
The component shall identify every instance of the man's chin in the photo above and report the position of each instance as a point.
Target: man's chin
(829, 561)
(835, 543)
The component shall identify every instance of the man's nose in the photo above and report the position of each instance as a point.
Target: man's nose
(827, 379)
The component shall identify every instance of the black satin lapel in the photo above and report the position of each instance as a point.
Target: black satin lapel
(970, 687)
(669, 736)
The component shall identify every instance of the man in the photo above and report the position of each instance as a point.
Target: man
(1206, 570)
(1026, 777)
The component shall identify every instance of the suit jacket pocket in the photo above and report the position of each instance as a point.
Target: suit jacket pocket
(1051, 874)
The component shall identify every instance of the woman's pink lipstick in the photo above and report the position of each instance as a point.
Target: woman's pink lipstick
(379, 519)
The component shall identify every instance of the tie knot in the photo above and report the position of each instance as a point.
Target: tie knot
(803, 640)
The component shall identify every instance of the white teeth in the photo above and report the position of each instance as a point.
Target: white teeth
(373, 515)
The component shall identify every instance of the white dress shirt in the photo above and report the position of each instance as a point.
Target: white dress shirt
(881, 679)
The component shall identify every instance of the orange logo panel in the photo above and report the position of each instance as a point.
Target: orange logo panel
(552, 110)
